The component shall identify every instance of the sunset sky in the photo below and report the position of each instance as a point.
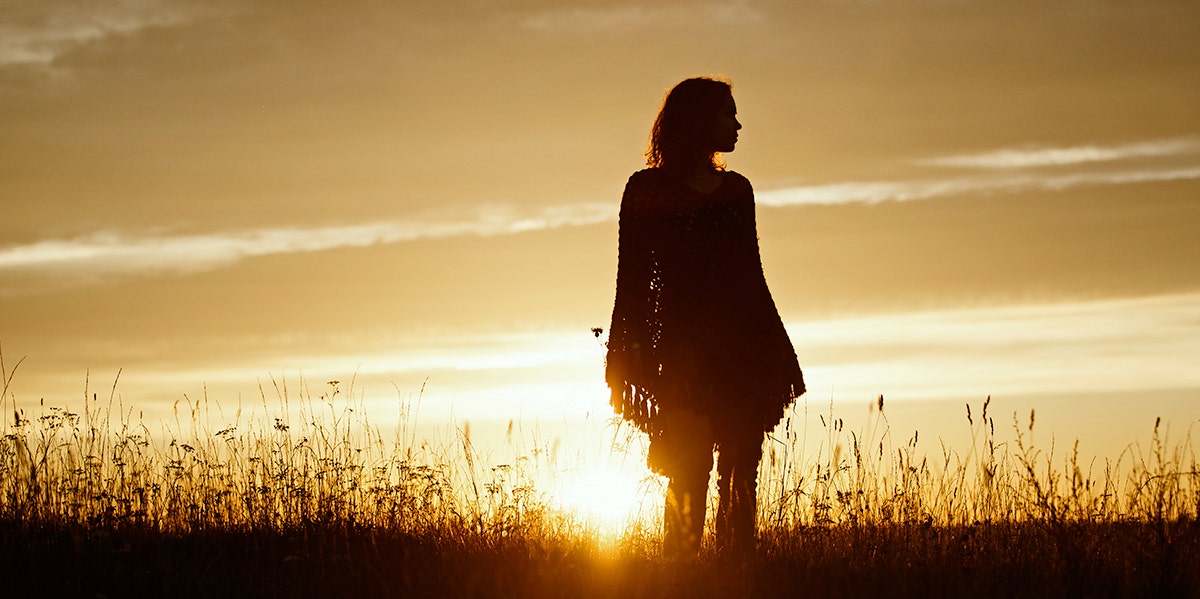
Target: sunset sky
(956, 198)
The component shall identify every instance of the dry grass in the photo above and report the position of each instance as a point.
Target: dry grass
(864, 478)
(309, 499)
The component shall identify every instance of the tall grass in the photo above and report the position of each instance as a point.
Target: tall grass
(866, 477)
(308, 461)
(311, 458)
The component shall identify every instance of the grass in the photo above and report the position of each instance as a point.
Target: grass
(307, 498)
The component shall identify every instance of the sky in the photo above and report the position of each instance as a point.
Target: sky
(956, 199)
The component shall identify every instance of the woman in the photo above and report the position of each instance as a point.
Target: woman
(697, 355)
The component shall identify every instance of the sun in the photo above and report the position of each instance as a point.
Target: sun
(607, 498)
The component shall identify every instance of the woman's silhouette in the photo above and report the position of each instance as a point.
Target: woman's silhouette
(697, 355)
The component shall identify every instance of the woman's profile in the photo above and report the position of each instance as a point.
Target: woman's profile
(698, 357)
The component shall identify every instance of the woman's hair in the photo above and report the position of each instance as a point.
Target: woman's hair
(681, 131)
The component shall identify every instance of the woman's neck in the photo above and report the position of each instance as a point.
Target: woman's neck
(688, 169)
(699, 175)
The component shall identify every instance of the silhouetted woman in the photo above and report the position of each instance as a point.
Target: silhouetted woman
(697, 355)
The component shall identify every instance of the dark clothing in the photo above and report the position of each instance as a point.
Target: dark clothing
(694, 325)
(697, 355)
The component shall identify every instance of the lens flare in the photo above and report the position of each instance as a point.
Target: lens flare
(606, 498)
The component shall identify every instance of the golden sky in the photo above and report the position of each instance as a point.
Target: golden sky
(956, 197)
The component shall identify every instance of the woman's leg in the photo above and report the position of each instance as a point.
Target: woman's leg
(683, 516)
(738, 455)
(685, 455)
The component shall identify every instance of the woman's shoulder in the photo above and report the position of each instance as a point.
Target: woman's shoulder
(660, 185)
(647, 175)
(659, 175)
(647, 182)
(737, 179)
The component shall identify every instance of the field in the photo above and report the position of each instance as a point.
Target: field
(308, 499)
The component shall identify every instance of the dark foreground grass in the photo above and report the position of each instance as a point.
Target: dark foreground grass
(985, 560)
(308, 499)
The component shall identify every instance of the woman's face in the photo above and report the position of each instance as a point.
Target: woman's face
(725, 128)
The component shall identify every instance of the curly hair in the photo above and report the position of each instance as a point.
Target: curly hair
(679, 134)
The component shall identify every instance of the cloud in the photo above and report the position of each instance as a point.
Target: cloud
(111, 252)
(903, 191)
(116, 252)
(1039, 157)
(997, 172)
(36, 32)
(1106, 345)
(1127, 344)
(626, 17)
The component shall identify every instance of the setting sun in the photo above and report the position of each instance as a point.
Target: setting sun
(608, 498)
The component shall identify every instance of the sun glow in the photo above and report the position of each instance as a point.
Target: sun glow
(608, 499)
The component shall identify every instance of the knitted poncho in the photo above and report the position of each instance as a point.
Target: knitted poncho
(693, 323)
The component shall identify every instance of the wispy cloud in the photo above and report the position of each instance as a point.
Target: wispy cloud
(998, 174)
(111, 252)
(1108, 345)
(1011, 171)
(627, 17)
(873, 192)
(35, 32)
(1038, 157)
(122, 252)
(1129, 344)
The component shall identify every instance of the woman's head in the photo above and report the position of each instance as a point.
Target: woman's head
(698, 120)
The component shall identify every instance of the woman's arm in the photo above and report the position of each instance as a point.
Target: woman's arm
(630, 366)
